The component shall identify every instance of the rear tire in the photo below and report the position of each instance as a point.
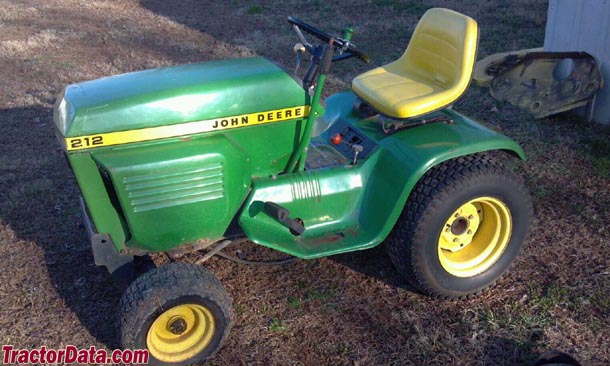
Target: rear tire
(462, 227)
(180, 312)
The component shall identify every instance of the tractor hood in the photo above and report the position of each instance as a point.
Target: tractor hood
(175, 95)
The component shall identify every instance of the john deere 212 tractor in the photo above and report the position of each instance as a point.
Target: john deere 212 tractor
(196, 157)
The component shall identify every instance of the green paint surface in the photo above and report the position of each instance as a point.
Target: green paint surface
(349, 207)
(160, 194)
(179, 94)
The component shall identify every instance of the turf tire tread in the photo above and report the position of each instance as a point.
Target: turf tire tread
(429, 193)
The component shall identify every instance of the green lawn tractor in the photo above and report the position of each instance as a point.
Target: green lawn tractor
(196, 157)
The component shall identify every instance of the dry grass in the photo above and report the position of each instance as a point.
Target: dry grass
(345, 310)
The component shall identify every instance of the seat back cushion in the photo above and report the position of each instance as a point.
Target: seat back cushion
(442, 49)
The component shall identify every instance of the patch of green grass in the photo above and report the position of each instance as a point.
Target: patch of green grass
(520, 319)
(539, 191)
(527, 320)
(596, 325)
(265, 309)
(254, 9)
(600, 156)
(383, 2)
(411, 7)
(35, 190)
(66, 65)
(294, 302)
(525, 324)
(276, 325)
(601, 300)
(319, 294)
(414, 7)
(332, 307)
(547, 298)
(312, 294)
(239, 309)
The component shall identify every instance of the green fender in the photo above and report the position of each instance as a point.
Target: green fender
(342, 217)
(406, 156)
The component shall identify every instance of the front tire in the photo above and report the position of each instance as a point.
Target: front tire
(462, 227)
(180, 312)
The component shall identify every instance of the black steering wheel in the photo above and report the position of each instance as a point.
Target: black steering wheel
(343, 44)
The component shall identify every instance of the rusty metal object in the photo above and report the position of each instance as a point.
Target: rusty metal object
(544, 83)
(489, 67)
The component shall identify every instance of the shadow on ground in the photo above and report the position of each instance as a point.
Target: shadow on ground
(374, 263)
(509, 351)
(267, 32)
(39, 203)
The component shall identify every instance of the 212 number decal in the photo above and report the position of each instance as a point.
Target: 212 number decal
(84, 142)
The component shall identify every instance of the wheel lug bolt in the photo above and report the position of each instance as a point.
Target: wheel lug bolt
(469, 232)
(455, 240)
(177, 326)
(470, 217)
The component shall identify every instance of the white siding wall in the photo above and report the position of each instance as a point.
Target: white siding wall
(583, 25)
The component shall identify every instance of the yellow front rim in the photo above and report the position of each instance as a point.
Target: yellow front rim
(474, 236)
(180, 333)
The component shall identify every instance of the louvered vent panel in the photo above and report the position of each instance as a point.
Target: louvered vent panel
(167, 189)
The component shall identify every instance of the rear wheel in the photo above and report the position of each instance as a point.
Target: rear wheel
(180, 312)
(462, 227)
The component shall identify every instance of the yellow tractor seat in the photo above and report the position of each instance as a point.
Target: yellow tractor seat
(433, 73)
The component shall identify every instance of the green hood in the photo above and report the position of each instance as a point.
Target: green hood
(173, 95)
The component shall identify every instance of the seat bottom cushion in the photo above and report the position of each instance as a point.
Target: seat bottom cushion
(398, 94)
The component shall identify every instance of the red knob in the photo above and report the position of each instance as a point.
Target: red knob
(336, 139)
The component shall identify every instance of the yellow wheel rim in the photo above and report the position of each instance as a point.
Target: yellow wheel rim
(180, 333)
(474, 237)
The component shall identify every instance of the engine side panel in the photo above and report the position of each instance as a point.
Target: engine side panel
(177, 191)
(106, 218)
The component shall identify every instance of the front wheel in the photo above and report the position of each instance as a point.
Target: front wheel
(179, 312)
(462, 227)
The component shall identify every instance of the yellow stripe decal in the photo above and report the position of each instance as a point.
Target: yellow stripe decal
(182, 129)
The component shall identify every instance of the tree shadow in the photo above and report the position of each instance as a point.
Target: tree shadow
(506, 351)
(374, 263)
(38, 202)
(266, 31)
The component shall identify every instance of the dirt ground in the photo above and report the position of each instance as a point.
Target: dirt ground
(349, 309)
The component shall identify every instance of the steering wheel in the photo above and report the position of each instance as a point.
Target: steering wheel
(343, 44)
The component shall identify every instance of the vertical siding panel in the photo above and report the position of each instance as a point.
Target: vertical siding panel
(602, 53)
(577, 23)
(551, 21)
(583, 26)
(606, 43)
(579, 27)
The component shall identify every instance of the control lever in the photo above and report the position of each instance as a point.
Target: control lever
(299, 48)
(282, 215)
(357, 150)
(348, 33)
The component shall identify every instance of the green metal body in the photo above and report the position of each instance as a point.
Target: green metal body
(173, 95)
(159, 194)
(354, 207)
